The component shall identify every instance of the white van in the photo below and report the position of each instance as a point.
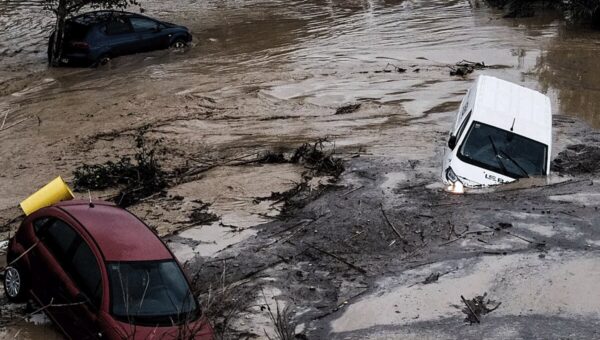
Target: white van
(502, 132)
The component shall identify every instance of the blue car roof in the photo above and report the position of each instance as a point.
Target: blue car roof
(95, 17)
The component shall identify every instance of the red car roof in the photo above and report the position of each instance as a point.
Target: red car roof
(119, 234)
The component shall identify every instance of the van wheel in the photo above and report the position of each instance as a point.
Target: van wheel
(15, 284)
(102, 60)
(179, 44)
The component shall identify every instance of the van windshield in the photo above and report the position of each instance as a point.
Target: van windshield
(503, 152)
(150, 292)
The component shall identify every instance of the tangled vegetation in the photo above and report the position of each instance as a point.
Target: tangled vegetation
(318, 160)
(578, 159)
(315, 158)
(139, 177)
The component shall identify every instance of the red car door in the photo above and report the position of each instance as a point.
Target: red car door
(46, 261)
(52, 262)
(86, 296)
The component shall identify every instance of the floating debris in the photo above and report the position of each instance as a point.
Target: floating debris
(478, 306)
(202, 215)
(578, 159)
(465, 67)
(271, 157)
(433, 277)
(503, 225)
(347, 109)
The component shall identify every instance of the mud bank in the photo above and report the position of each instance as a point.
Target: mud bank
(349, 275)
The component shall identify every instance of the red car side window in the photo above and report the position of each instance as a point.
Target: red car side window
(75, 257)
(39, 224)
(59, 238)
(86, 273)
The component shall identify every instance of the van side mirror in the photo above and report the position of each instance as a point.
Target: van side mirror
(452, 142)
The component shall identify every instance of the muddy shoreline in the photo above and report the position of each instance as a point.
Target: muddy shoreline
(338, 249)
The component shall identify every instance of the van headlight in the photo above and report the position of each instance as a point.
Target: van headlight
(456, 186)
(451, 176)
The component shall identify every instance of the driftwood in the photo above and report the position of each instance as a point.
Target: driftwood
(19, 257)
(4, 121)
(392, 225)
(478, 306)
(473, 314)
(13, 124)
(461, 236)
(349, 264)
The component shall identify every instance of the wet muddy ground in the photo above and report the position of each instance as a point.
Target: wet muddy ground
(269, 76)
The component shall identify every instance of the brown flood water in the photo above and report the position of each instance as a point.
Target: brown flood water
(277, 69)
(321, 46)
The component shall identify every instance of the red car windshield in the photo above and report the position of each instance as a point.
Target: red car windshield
(150, 293)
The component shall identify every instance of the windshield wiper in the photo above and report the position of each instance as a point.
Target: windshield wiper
(515, 163)
(498, 158)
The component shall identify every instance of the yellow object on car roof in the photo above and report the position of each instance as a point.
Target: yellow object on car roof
(51, 193)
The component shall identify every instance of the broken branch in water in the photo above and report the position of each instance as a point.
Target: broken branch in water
(14, 124)
(19, 257)
(502, 228)
(478, 306)
(464, 67)
(478, 232)
(470, 309)
(392, 225)
(4, 120)
(351, 265)
(396, 68)
(43, 308)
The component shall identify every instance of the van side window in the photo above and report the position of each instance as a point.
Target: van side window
(463, 125)
(86, 273)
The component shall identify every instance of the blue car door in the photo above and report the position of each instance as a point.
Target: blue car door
(120, 37)
(150, 33)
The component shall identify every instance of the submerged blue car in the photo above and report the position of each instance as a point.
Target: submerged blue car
(94, 38)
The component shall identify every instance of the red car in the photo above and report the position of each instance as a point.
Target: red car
(101, 273)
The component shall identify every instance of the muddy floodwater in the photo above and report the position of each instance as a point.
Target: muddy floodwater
(268, 76)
